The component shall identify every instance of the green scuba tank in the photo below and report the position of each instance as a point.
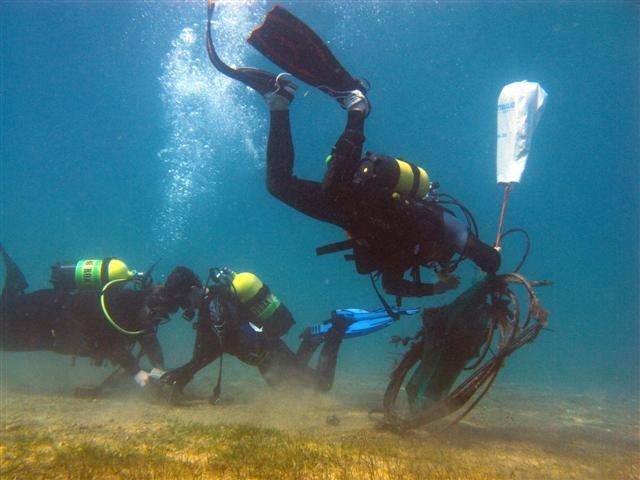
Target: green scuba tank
(91, 274)
(95, 275)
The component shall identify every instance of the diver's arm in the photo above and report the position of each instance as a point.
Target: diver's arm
(458, 236)
(206, 350)
(152, 349)
(120, 354)
(394, 284)
(148, 320)
(306, 196)
(208, 347)
(483, 255)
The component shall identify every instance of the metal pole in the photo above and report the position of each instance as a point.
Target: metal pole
(505, 198)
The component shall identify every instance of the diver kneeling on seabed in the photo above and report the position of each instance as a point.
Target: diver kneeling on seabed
(88, 313)
(239, 315)
(395, 222)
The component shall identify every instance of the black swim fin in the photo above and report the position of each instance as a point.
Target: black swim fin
(15, 282)
(261, 81)
(292, 45)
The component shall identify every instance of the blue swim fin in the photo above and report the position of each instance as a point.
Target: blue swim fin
(362, 322)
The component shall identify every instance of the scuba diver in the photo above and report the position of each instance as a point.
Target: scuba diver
(87, 313)
(394, 221)
(239, 315)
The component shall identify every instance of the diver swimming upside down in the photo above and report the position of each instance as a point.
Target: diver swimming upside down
(379, 200)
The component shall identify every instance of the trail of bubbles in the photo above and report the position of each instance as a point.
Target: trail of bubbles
(207, 116)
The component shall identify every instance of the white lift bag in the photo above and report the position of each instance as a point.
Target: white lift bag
(520, 107)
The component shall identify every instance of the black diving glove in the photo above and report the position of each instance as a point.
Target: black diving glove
(446, 283)
(175, 378)
(483, 255)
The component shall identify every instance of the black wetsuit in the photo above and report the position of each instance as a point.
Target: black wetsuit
(74, 324)
(390, 237)
(224, 327)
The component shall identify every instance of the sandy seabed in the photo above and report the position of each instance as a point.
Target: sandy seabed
(258, 432)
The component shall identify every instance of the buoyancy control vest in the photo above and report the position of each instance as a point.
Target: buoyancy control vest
(400, 186)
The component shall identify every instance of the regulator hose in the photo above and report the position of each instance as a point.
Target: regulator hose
(106, 312)
(526, 251)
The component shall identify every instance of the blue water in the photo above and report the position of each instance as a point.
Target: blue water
(119, 139)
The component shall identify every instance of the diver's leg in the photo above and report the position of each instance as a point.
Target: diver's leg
(15, 283)
(32, 322)
(21, 329)
(307, 348)
(273, 357)
(345, 156)
(304, 195)
(261, 81)
(394, 283)
(280, 364)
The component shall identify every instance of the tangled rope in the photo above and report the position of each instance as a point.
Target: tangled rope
(505, 330)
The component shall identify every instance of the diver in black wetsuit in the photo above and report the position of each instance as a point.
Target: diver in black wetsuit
(240, 316)
(73, 322)
(388, 236)
(378, 200)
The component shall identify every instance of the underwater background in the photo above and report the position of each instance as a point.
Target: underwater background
(118, 138)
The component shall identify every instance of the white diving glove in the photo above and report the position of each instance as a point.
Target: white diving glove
(141, 378)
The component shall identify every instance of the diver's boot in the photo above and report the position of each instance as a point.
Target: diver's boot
(278, 92)
(483, 255)
(355, 101)
(339, 325)
(261, 81)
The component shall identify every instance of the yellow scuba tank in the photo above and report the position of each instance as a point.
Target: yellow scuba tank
(393, 174)
(255, 296)
(92, 274)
